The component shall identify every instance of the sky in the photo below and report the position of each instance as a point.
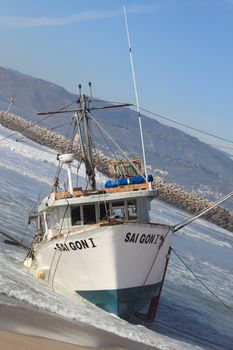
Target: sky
(182, 53)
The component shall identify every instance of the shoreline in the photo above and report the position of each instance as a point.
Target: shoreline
(30, 328)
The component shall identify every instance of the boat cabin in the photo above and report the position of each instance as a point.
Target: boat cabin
(125, 198)
(58, 216)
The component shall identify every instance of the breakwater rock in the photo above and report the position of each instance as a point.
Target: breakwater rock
(193, 203)
(166, 192)
(51, 139)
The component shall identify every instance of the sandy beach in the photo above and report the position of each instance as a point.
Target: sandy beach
(13, 341)
(28, 328)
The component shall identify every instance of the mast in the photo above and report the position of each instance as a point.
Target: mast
(136, 95)
(86, 140)
(83, 117)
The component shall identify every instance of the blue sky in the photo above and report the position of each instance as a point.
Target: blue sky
(183, 53)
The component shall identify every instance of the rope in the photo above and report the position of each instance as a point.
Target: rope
(163, 238)
(153, 262)
(174, 121)
(185, 125)
(35, 123)
(36, 203)
(116, 144)
(146, 132)
(200, 281)
(59, 257)
(14, 241)
(60, 253)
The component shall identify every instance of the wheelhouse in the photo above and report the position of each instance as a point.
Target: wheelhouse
(58, 216)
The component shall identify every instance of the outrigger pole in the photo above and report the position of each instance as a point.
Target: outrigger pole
(136, 95)
(89, 109)
(151, 313)
(188, 221)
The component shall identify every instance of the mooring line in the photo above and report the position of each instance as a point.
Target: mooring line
(13, 241)
(200, 280)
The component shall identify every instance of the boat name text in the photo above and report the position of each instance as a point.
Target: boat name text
(76, 245)
(141, 238)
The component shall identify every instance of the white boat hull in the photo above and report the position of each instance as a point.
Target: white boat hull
(116, 266)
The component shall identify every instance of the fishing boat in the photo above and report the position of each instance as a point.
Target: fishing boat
(100, 242)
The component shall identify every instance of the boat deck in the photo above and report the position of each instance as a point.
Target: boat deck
(80, 193)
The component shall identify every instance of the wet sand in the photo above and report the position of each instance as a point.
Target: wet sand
(13, 341)
(28, 328)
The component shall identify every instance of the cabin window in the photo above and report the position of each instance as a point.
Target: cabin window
(89, 216)
(118, 210)
(104, 211)
(132, 209)
(75, 216)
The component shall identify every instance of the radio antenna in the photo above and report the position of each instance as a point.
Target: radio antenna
(136, 94)
(12, 100)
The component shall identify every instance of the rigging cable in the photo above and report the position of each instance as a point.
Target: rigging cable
(116, 144)
(102, 180)
(59, 257)
(39, 121)
(185, 125)
(146, 132)
(162, 238)
(25, 139)
(200, 280)
(60, 252)
(173, 121)
(130, 128)
(58, 167)
(14, 241)
(107, 143)
(56, 177)
(161, 243)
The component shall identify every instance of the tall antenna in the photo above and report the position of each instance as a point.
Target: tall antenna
(12, 100)
(136, 93)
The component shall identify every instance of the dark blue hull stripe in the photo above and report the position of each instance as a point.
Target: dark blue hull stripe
(122, 302)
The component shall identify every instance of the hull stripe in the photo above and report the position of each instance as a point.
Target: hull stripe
(122, 302)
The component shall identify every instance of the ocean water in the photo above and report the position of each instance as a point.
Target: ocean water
(189, 316)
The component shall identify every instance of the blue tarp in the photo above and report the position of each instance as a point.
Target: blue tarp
(135, 180)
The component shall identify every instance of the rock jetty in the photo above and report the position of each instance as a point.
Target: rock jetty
(193, 203)
(51, 139)
(165, 191)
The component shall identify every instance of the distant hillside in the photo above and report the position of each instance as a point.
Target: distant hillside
(32, 95)
(172, 154)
